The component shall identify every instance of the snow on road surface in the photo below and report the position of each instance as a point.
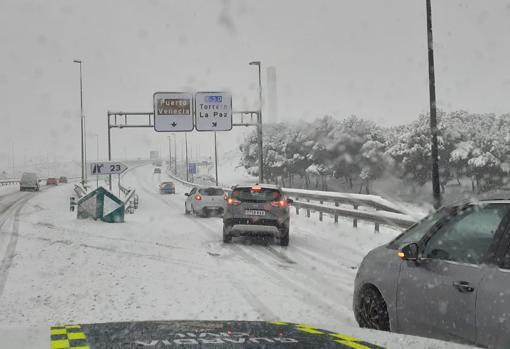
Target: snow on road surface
(164, 265)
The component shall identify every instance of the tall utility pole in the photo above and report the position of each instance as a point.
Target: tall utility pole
(186, 147)
(259, 125)
(216, 158)
(97, 159)
(47, 162)
(436, 189)
(82, 117)
(169, 153)
(12, 160)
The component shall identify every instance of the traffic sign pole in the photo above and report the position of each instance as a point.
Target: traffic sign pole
(186, 144)
(216, 158)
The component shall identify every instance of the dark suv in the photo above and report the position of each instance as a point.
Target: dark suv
(257, 210)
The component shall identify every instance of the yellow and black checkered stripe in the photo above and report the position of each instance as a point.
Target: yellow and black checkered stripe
(68, 337)
(344, 340)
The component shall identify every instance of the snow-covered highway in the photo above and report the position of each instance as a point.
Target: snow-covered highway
(162, 264)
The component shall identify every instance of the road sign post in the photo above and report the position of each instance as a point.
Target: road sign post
(173, 111)
(213, 111)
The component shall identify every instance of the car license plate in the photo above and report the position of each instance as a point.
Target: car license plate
(255, 213)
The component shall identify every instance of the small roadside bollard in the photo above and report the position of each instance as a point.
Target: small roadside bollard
(72, 203)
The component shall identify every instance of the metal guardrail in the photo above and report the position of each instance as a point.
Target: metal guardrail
(385, 211)
(373, 201)
(8, 181)
(381, 210)
(378, 217)
(16, 181)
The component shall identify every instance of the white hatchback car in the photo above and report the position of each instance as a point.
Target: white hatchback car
(204, 201)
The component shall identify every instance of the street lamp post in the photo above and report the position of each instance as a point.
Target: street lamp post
(259, 125)
(82, 117)
(436, 189)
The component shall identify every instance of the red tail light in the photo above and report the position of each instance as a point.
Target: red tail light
(198, 197)
(225, 197)
(280, 203)
(233, 202)
(256, 188)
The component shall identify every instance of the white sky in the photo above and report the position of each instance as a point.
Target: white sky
(363, 57)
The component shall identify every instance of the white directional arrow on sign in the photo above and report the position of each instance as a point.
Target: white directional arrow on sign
(107, 168)
(109, 206)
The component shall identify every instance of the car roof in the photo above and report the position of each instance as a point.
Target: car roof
(264, 186)
(481, 199)
(208, 187)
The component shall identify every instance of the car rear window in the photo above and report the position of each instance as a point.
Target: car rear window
(261, 195)
(211, 192)
(28, 177)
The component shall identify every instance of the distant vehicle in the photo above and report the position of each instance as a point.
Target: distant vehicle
(157, 170)
(257, 210)
(446, 277)
(29, 181)
(167, 188)
(51, 181)
(62, 179)
(157, 163)
(205, 201)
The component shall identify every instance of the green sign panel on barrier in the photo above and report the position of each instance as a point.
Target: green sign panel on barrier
(103, 205)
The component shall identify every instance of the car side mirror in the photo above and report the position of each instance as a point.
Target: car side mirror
(409, 252)
(186, 194)
(290, 201)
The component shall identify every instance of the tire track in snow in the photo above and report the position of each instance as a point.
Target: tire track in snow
(249, 256)
(310, 273)
(301, 291)
(10, 251)
(255, 302)
(319, 259)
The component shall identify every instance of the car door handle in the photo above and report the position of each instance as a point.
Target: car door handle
(463, 286)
